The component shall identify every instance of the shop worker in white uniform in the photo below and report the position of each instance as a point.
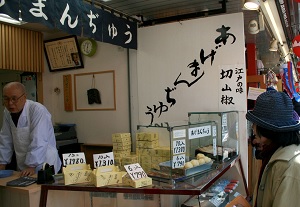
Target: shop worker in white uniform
(27, 129)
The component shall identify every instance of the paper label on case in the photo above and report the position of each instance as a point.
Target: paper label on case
(73, 158)
(179, 133)
(214, 146)
(103, 159)
(179, 146)
(198, 132)
(135, 171)
(178, 161)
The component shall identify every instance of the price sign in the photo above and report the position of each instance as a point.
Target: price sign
(215, 147)
(179, 133)
(135, 171)
(103, 159)
(198, 132)
(179, 146)
(73, 158)
(178, 161)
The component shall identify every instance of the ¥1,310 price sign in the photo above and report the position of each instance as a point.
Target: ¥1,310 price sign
(103, 159)
(135, 171)
(73, 158)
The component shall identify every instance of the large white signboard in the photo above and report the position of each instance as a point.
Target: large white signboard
(191, 66)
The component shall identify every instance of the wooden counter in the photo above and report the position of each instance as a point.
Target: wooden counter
(18, 196)
(30, 196)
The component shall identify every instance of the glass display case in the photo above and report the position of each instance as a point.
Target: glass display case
(202, 189)
(181, 175)
(226, 142)
(172, 149)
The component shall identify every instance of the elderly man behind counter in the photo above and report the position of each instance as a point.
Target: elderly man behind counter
(27, 129)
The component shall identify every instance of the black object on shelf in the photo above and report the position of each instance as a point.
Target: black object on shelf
(22, 181)
(46, 174)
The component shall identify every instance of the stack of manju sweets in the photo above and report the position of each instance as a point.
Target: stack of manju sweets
(148, 152)
(124, 156)
(122, 150)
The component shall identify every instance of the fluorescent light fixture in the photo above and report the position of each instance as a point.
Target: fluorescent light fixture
(268, 9)
(251, 4)
(6, 18)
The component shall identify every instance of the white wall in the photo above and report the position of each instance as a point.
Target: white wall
(94, 127)
(165, 52)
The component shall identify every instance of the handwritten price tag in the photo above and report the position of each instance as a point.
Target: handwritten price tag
(179, 146)
(178, 161)
(103, 159)
(73, 158)
(135, 171)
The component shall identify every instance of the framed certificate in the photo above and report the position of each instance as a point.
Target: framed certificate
(63, 53)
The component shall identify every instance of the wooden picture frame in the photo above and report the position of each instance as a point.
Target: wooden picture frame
(63, 53)
(104, 82)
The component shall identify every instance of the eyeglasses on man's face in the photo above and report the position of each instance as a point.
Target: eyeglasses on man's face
(13, 99)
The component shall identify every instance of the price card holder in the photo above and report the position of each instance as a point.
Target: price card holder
(73, 158)
(103, 159)
(135, 171)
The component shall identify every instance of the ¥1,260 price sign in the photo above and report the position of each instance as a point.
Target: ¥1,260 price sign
(73, 158)
(103, 159)
(135, 171)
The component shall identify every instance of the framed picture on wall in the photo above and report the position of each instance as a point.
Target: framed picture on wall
(63, 53)
(95, 91)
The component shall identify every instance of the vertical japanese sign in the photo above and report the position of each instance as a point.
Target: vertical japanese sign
(232, 86)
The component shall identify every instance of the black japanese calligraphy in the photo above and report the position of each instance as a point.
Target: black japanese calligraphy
(197, 73)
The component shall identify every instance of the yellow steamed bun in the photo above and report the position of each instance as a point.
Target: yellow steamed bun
(188, 165)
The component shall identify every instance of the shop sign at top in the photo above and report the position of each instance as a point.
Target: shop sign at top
(77, 18)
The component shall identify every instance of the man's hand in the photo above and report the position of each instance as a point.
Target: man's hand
(28, 171)
(2, 166)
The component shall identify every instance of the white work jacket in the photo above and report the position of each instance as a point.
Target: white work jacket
(33, 139)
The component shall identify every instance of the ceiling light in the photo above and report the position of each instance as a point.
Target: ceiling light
(274, 46)
(6, 18)
(251, 4)
(274, 24)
